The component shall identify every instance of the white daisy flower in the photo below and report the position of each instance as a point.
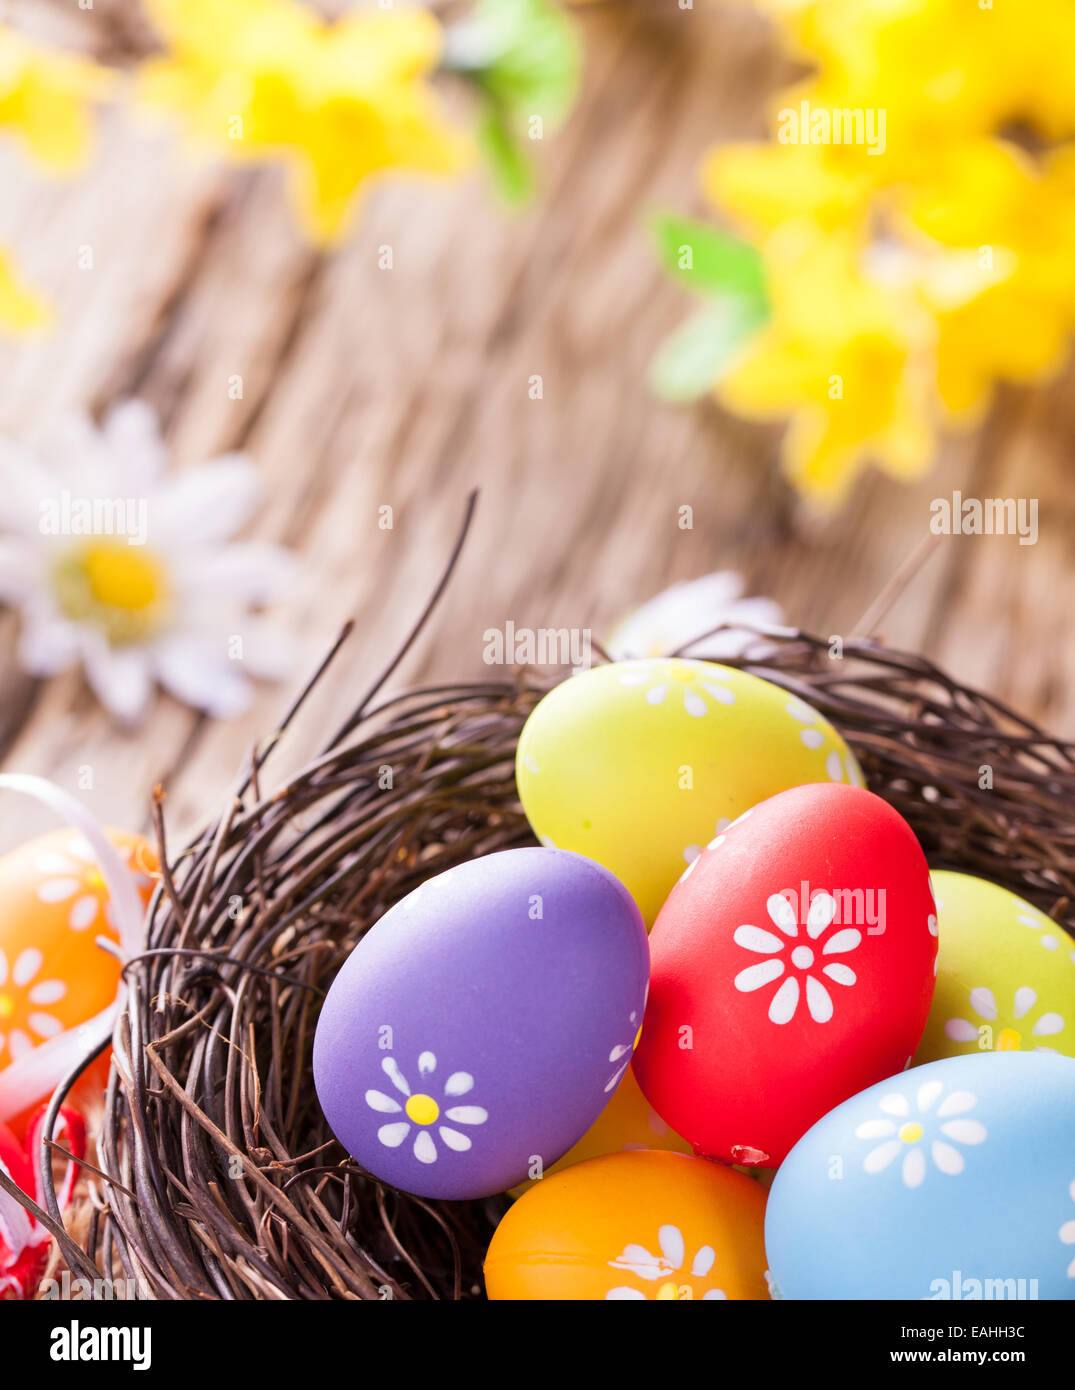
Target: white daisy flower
(812, 735)
(903, 1128)
(21, 977)
(682, 680)
(128, 571)
(804, 962)
(1067, 1233)
(423, 1111)
(621, 1054)
(637, 1260)
(671, 619)
(1038, 922)
(983, 1003)
(67, 878)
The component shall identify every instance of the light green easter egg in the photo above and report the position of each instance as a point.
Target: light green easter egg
(1005, 974)
(640, 764)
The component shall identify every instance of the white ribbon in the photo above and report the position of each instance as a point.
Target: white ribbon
(37, 1074)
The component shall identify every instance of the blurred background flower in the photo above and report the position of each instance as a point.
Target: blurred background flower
(119, 566)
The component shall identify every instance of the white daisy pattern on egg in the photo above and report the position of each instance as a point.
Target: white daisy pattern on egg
(69, 875)
(1040, 1023)
(639, 1261)
(659, 681)
(419, 1111)
(814, 736)
(799, 961)
(21, 977)
(905, 1124)
(621, 1054)
(1067, 1231)
(1036, 921)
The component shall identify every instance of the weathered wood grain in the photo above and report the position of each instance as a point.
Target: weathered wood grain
(365, 387)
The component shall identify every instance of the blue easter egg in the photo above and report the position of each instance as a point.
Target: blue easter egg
(955, 1180)
(479, 1028)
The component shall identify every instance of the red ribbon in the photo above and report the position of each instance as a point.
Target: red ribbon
(24, 1241)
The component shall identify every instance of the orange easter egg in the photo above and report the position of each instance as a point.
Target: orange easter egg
(645, 1224)
(53, 904)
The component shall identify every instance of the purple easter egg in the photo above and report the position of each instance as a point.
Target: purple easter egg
(483, 1022)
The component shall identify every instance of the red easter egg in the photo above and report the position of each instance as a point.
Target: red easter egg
(791, 967)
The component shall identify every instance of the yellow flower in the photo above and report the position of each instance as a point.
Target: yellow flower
(340, 102)
(21, 309)
(845, 354)
(45, 98)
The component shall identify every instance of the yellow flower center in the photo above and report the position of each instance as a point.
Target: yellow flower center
(120, 588)
(911, 1132)
(92, 879)
(668, 1291)
(423, 1110)
(681, 673)
(7, 1006)
(1008, 1040)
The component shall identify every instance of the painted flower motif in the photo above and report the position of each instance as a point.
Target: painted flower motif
(1067, 1232)
(903, 1130)
(813, 736)
(423, 1111)
(620, 1056)
(20, 986)
(637, 1260)
(803, 959)
(72, 876)
(1038, 922)
(983, 1003)
(658, 679)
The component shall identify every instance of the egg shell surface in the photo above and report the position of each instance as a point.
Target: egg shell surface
(1005, 975)
(639, 763)
(629, 1226)
(790, 967)
(482, 1022)
(944, 1182)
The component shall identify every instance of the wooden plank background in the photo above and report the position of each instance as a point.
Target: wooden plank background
(364, 387)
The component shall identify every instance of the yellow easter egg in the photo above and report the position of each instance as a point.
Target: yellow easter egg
(53, 904)
(639, 764)
(1005, 974)
(630, 1226)
(627, 1122)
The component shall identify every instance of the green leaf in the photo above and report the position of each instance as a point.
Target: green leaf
(696, 354)
(512, 174)
(524, 54)
(708, 259)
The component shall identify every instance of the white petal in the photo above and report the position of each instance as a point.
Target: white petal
(27, 964)
(783, 914)
(131, 434)
(655, 695)
(694, 704)
(377, 1100)
(199, 673)
(1047, 1025)
(1067, 1233)
(882, 1156)
(48, 646)
(670, 1239)
(983, 1002)
(927, 1094)
(253, 572)
(755, 939)
(44, 1025)
(467, 1114)
(841, 941)
(834, 768)
(206, 504)
(119, 676)
(958, 1102)
(620, 1050)
(841, 974)
(622, 1293)
(427, 1064)
(1025, 999)
(57, 890)
(822, 911)
(947, 1159)
(812, 738)
(960, 1030)
(914, 1167)
(83, 912)
(893, 1104)
(425, 1151)
(19, 1044)
(754, 976)
(712, 1294)
(800, 711)
(784, 1001)
(720, 693)
(459, 1142)
(964, 1131)
(703, 1261)
(3, 967)
(458, 1084)
(640, 1262)
(391, 1136)
(48, 992)
(818, 1000)
(875, 1129)
(390, 1067)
